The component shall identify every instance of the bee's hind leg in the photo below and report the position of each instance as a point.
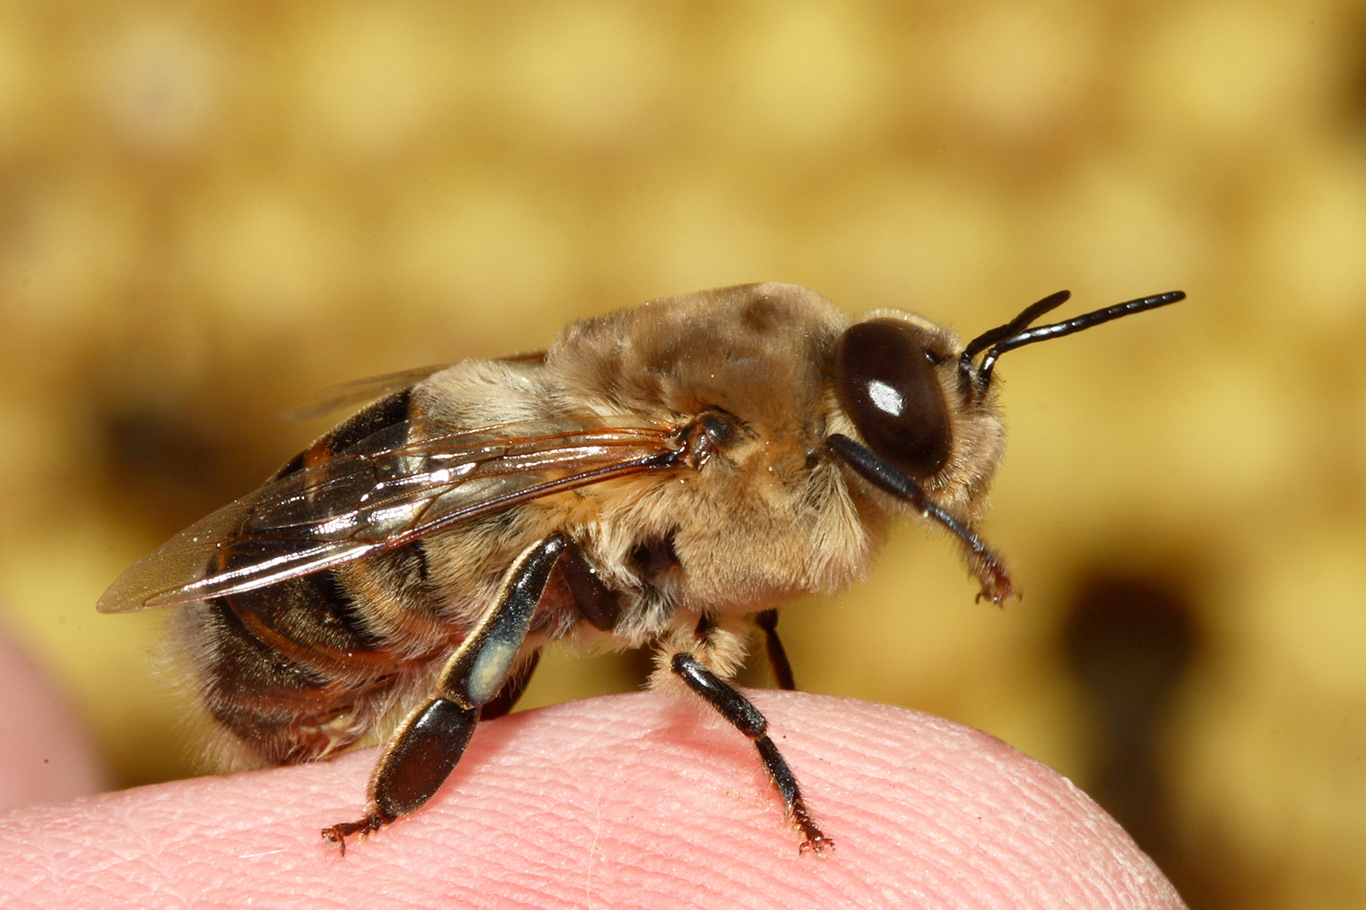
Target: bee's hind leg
(431, 740)
(597, 603)
(512, 690)
(746, 718)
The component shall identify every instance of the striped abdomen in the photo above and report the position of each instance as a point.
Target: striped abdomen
(306, 666)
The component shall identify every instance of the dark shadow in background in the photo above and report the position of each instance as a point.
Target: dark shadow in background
(1131, 642)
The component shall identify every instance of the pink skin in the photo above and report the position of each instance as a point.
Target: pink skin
(628, 801)
(45, 753)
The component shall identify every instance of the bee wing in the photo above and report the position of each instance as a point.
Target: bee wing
(383, 492)
(359, 391)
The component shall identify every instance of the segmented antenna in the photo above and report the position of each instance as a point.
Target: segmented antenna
(1017, 334)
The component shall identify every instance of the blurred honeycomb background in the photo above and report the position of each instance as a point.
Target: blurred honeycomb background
(209, 210)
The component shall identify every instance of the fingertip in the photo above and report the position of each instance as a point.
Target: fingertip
(629, 800)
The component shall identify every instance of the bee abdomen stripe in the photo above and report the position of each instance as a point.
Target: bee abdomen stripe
(383, 414)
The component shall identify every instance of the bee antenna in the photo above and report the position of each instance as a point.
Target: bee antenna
(1016, 325)
(1017, 334)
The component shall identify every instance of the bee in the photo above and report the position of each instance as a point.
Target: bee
(664, 475)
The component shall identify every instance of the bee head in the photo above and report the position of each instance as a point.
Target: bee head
(923, 406)
(888, 376)
(886, 382)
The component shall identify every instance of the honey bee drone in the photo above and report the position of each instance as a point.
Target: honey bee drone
(667, 474)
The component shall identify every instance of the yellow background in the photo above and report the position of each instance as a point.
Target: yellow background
(210, 210)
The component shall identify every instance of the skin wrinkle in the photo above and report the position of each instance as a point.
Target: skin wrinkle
(668, 811)
(1035, 800)
(1007, 851)
(559, 813)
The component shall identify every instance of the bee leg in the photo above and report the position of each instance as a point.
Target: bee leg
(427, 746)
(599, 604)
(777, 655)
(512, 690)
(982, 561)
(746, 718)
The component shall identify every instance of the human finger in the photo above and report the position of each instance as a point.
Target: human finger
(638, 800)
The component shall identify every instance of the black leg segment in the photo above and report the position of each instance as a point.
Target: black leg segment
(430, 742)
(423, 755)
(600, 605)
(512, 690)
(777, 654)
(483, 661)
(746, 718)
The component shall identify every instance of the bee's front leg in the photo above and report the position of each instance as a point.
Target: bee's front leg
(746, 718)
(427, 746)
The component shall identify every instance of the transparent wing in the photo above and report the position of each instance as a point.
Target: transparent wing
(383, 492)
(355, 392)
(359, 391)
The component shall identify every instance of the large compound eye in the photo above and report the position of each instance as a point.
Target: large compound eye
(884, 377)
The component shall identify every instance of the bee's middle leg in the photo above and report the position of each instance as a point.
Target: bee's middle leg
(745, 717)
(431, 740)
(777, 654)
